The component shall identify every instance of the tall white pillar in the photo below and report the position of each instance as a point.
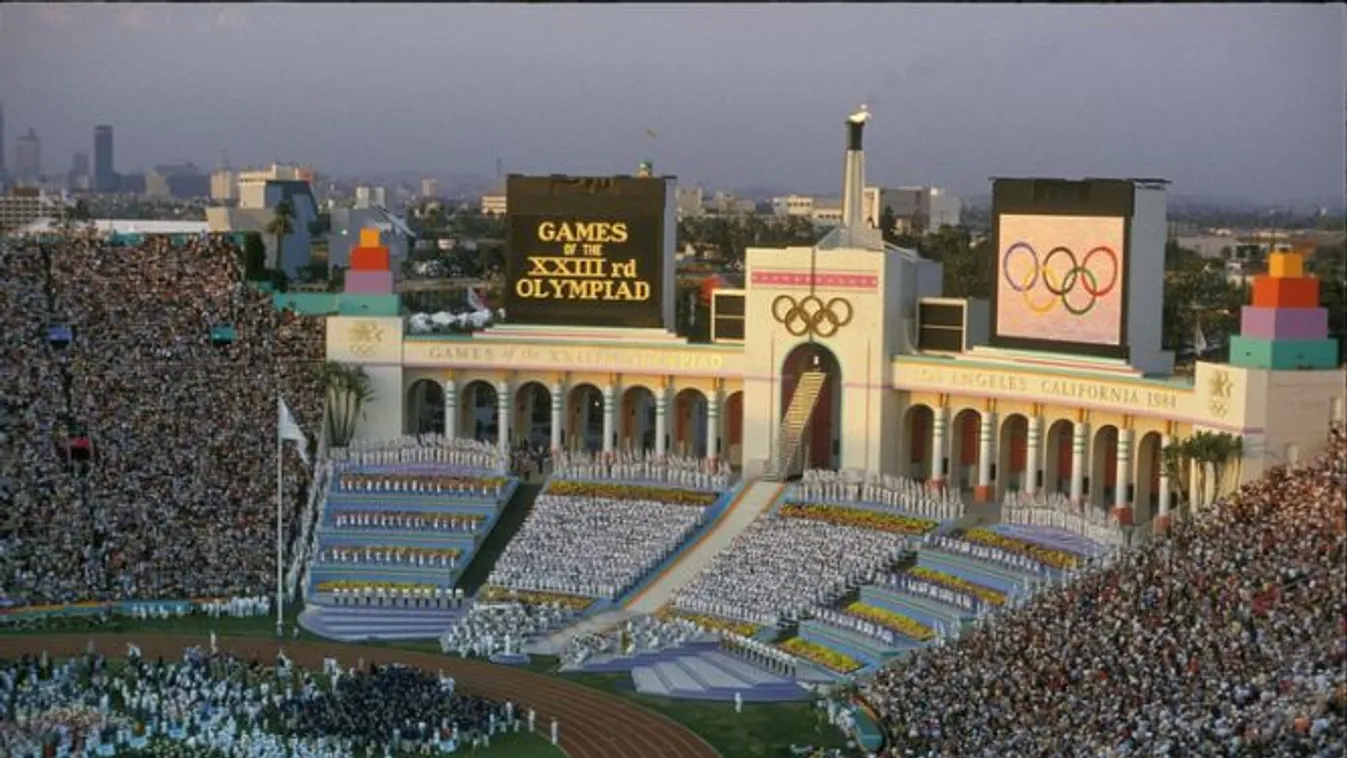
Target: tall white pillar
(1079, 434)
(503, 420)
(1163, 505)
(1033, 455)
(609, 410)
(661, 421)
(713, 426)
(1123, 472)
(450, 409)
(939, 427)
(558, 417)
(986, 455)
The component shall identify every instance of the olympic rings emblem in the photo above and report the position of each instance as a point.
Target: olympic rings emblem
(811, 315)
(1061, 282)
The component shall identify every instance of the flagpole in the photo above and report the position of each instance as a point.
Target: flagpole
(280, 552)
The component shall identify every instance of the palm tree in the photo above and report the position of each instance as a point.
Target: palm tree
(1178, 462)
(282, 224)
(348, 390)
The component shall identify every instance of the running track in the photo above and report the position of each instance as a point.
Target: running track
(593, 724)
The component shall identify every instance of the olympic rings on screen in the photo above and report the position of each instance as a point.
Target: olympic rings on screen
(811, 315)
(1078, 275)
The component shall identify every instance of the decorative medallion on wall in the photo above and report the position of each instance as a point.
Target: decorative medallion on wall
(365, 338)
(811, 315)
(1221, 389)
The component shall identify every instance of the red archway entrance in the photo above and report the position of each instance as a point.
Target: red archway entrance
(823, 440)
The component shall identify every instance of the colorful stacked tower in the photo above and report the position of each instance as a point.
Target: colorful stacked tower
(370, 273)
(1284, 329)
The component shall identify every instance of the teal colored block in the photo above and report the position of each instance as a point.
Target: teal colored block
(1283, 355)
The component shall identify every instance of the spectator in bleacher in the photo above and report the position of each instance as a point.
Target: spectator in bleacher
(1225, 638)
(181, 426)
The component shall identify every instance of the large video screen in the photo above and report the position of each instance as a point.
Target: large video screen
(584, 259)
(1060, 278)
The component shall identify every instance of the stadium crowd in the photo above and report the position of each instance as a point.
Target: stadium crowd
(218, 704)
(168, 364)
(782, 568)
(592, 546)
(1225, 638)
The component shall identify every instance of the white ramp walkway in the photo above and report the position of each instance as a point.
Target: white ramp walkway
(757, 498)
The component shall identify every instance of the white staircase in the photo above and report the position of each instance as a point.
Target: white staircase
(787, 448)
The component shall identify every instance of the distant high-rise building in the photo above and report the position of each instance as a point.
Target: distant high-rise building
(370, 197)
(28, 157)
(79, 178)
(2, 139)
(252, 185)
(430, 188)
(224, 185)
(180, 181)
(105, 176)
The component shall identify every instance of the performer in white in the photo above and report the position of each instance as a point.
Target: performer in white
(554, 730)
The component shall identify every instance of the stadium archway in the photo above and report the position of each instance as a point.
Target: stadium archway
(732, 433)
(823, 439)
(425, 407)
(918, 426)
(533, 415)
(1057, 461)
(690, 418)
(584, 420)
(963, 450)
(1013, 468)
(1104, 467)
(1146, 489)
(636, 432)
(479, 411)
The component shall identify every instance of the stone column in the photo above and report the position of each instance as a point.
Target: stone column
(661, 421)
(1163, 517)
(558, 415)
(1033, 455)
(939, 427)
(713, 426)
(1122, 504)
(503, 420)
(984, 491)
(450, 409)
(1080, 432)
(609, 409)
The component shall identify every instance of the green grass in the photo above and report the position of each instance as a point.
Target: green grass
(763, 730)
(511, 518)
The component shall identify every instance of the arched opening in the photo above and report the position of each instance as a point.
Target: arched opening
(584, 419)
(963, 456)
(1057, 460)
(479, 411)
(1013, 467)
(533, 415)
(1146, 482)
(822, 440)
(689, 428)
(1103, 467)
(425, 408)
(733, 434)
(918, 428)
(637, 428)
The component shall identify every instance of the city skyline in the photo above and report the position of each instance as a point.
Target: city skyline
(960, 94)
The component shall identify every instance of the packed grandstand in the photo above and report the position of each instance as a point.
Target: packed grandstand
(119, 349)
(1223, 637)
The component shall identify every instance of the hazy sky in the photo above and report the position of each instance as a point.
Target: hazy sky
(1240, 101)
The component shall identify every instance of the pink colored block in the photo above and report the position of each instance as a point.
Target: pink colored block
(369, 282)
(1283, 323)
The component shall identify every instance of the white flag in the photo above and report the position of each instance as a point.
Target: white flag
(1199, 340)
(475, 302)
(289, 430)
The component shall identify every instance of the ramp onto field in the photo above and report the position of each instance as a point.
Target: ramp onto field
(753, 501)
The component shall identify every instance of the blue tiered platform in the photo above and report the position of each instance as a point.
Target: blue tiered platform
(343, 621)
